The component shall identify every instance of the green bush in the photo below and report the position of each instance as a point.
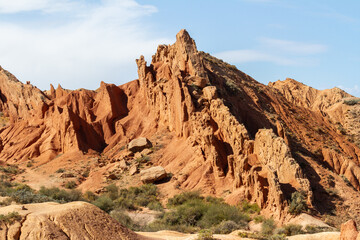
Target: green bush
(259, 219)
(70, 185)
(104, 203)
(226, 227)
(268, 227)
(317, 229)
(216, 213)
(250, 207)
(205, 235)
(181, 198)
(298, 203)
(61, 195)
(10, 169)
(190, 211)
(292, 229)
(89, 196)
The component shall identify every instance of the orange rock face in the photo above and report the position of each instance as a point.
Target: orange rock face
(226, 134)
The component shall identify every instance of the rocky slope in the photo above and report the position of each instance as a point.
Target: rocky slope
(212, 126)
(76, 220)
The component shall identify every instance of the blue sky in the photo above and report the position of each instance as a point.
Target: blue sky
(79, 43)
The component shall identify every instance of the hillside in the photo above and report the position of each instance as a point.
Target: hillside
(214, 128)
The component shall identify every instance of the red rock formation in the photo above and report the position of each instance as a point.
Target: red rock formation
(214, 116)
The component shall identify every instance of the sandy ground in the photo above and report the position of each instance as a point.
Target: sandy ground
(172, 235)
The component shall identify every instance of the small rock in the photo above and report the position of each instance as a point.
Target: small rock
(153, 174)
(210, 92)
(146, 152)
(122, 164)
(137, 155)
(133, 170)
(139, 144)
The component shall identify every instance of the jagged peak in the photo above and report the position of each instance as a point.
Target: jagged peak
(183, 37)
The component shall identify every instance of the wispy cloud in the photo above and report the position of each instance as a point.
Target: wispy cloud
(247, 55)
(16, 6)
(293, 46)
(276, 51)
(100, 42)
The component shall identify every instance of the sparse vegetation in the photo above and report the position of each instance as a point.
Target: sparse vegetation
(60, 170)
(291, 229)
(189, 212)
(10, 169)
(268, 227)
(352, 102)
(250, 207)
(70, 185)
(298, 203)
(10, 218)
(205, 234)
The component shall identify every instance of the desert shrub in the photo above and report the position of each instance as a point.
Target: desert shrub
(205, 234)
(112, 191)
(133, 197)
(61, 195)
(60, 170)
(292, 229)
(120, 216)
(249, 207)
(226, 227)
(196, 212)
(6, 202)
(89, 196)
(259, 219)
(10, 169)
(154, 205)
(86, 173)
(351, 102)
(276, 237)
(10, 217)
(70, 185)
(104, 203)
(181, 198)
(268, 227)
(298, 203)
(216, 213)
(25, 196)
(262, 236)
(317, 229)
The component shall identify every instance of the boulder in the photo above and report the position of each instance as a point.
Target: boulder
(210, 92)
(348, 230)
(133, 170)
(153, 174)
(139, 144)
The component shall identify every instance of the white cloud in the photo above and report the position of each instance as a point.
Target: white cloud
(246, 55)
(276, 51)
(96, 42)
(15, 6)
(294, 47)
